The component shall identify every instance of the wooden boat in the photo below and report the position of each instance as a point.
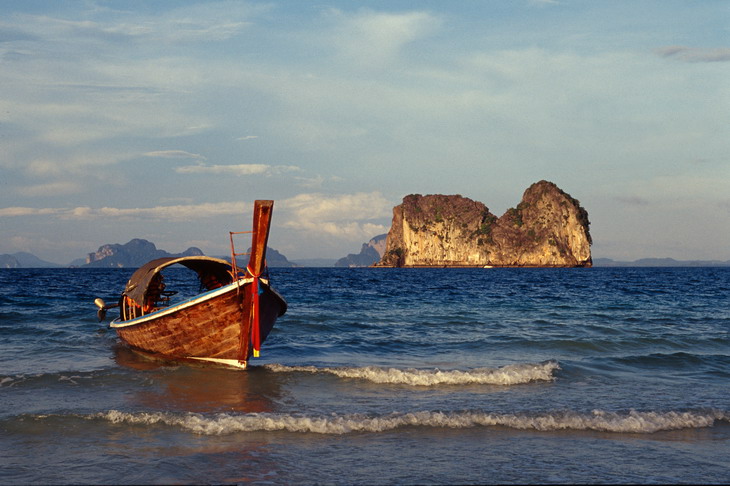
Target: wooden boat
(225, 324)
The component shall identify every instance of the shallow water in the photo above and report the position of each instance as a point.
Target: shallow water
(381, 376)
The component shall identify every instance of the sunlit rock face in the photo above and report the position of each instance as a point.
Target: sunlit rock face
(548, 228)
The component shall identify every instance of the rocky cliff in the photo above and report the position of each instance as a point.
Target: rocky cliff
(548, 228)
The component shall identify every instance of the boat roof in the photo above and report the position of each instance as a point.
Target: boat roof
(139, 282)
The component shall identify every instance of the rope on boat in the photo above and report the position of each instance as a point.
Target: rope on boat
(255, 317)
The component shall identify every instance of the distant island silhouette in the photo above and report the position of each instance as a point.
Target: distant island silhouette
(132, 254)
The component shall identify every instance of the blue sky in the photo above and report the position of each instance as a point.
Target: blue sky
(165, 120)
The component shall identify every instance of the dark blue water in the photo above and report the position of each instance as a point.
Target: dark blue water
(382, 376)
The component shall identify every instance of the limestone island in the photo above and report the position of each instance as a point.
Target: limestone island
(548, 228)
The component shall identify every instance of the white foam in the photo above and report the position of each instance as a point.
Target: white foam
(506, 375)
(72, 379)
(626, 422)
(7, 381)
(10, 381)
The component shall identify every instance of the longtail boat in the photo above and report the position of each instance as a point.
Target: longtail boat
(224, 324)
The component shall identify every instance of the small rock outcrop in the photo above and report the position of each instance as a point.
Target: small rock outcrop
(370, 253)
(548, 228)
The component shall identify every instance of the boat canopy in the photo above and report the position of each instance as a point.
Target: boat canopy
(204, 266)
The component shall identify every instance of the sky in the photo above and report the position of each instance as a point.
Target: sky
(165, 120)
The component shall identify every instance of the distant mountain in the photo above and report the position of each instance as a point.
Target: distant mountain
(659, 262)
(79, 262)
(370, 253)
(273, 259)
(9, 261)
(276, 259)
(133, 254)
(24, 260)
(137, 252)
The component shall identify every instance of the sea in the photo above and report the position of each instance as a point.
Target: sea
(381, 376)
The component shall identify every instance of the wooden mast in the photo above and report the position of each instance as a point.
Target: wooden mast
(261, 225)
(257, 265)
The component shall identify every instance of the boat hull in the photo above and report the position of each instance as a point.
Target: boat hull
(213, 327)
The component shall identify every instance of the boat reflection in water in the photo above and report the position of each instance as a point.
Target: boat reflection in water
(201, 389)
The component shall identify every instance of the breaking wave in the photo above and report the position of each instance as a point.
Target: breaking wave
(597, 420)
(506, 375)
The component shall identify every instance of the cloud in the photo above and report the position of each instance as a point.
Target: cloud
(211, 21)
(349, 231)
(174, 154)
(317, 181)
(348, 216)
(70, 170)
(319, 206)
(248, 137)
(373, 39)
(25, 211)
(45, 167)
(208, 21)
(184, 212)
(237, 170)
(50, 189)
(695, 54)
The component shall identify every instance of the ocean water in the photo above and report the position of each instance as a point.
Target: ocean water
(382, 376)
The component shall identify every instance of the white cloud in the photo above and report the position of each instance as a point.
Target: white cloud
(184, 212)
(13, 212)
(321, 207)
(61, 172)
(237, 170)
(317, 181)
(50, 189)
(44, 168)
(210, 21)
(374, 39)
(349, 231)
(174, 154)
(348, 217)
(175, 213)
